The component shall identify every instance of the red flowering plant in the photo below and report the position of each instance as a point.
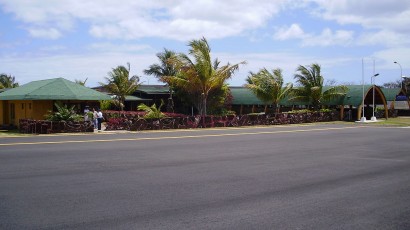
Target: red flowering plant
(121, 120)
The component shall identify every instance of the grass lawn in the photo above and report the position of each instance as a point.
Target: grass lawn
(397, 121)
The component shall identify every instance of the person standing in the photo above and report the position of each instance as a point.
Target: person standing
(95, 120)
(86, 111)
(99, 119)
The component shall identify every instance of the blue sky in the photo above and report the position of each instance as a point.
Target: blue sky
(79, 39)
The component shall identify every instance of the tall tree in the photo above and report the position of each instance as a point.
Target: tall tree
(164, 71)
(120, 84)
(200, 75)
(8, 81)
(268, 86)
(310, 80)
(393, 84)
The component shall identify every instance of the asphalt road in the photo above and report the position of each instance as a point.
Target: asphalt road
(294, 177)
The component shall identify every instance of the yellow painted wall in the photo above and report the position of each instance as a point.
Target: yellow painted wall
(22, 109)
(41, 108)
(26, 110)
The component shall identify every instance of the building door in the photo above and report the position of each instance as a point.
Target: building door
(12, 113)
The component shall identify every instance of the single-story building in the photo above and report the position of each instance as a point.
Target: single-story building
(35, 99)
(396, 98)
(244, 101)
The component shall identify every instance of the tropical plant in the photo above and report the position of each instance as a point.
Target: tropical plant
(299, 111)
(152, 112)
(8, 81)
(311, 90)
(199, 76)
(164, 71)
(81, 82)
(268, 86)
(105, 104)
(120, 84)
(63, 113)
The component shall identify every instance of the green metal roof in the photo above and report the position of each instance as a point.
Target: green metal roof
(134, 98)
(154, 89)
(53, 89)
(354, 95)
(244, 96)
(391, 94)
(4, 89)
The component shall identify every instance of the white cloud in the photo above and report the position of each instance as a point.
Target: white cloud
(384, 37)
(92, 66)
(329, 38)
(389, 56)
(181, 20)
(388, 16)
(292, 32)
(50, 33)
(369, 13)
(326, 38)
(96, 66)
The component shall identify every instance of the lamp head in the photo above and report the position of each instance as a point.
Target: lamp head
(395, 62)
(376, 75)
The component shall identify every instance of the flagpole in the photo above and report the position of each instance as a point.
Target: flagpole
(363, 119)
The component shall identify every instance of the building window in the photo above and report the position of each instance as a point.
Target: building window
(29, 105)
(22, 105)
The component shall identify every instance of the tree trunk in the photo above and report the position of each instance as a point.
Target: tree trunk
(170, 104)
(205, 105)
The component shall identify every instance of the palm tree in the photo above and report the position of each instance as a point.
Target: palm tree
(311, 89)
(8, 81)
(152, 111)
(163, 71)
(199, 76)
(120, 84)
(268, 86)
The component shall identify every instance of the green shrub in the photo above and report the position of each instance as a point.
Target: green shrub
(152, 112)
(63, 113)
(229, 112)
(325, 110)
(300, 111)
(105, 104)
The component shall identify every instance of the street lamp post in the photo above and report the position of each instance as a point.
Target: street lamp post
(401, 73)
(373, 80)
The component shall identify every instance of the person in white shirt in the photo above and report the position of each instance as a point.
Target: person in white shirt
(86, 110)
(99, 119)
